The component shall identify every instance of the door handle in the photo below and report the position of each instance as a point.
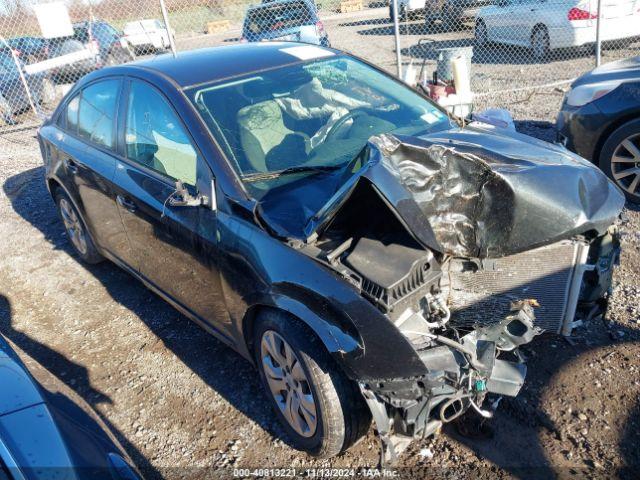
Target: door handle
(71, 166)
(126, 203)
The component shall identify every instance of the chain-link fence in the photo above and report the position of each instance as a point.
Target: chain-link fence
(510, 44)
(516, 45)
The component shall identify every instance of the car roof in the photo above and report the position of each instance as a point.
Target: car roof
(275, 3)
(207, 65)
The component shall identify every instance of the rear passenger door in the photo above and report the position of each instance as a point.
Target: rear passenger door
(87, 155)
(176, 247)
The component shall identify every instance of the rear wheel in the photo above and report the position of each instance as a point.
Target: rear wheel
(76, 229)
(620, 159)
(540, 45)
(48, 92)
(322, 411)
(402, 11)
(6, 112)
(481, 36)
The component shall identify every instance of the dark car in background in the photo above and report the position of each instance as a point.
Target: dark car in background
(107, 42)
(48, 431)
(452, 14)
(600, 120)
(13, 95)
(286, 20)
(30, 49)
(335, 227)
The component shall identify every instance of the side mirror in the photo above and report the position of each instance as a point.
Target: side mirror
(182, 198)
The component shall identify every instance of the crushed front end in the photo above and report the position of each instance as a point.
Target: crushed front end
(471, 245)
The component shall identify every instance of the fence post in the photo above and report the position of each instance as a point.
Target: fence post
(23, 80)
(396, 34)
(165, 17)
(598, 40)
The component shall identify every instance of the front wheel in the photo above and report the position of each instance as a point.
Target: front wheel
(620, 159)
(322, 411)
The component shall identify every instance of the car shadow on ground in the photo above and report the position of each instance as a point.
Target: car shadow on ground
(220, 367)
(496, 54)
(235, 380)
(71, 374)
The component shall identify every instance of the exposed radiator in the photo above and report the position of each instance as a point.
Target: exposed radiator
(552, 275)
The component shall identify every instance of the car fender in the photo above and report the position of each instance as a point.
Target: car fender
(334, 328)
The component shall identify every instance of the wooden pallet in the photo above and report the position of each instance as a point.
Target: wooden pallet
(218, 26)
(350, 6)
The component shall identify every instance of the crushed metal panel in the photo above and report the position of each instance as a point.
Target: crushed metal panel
(490, 195)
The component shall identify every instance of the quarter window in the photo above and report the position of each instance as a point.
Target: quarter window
(97, 112)
(72, 114)
(155, 136)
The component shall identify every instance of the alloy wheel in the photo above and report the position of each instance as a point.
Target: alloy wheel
(540, 43)
(288, 383)
(625, 164)
(73, 225)
(48, 92)
(481, 34)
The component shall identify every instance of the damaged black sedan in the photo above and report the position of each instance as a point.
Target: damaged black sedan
(373, 257)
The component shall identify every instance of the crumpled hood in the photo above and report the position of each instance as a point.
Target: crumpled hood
(469, 192)
(490, 194)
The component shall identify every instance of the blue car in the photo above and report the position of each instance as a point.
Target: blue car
(47, 432)
(13, 95)
(288, 20)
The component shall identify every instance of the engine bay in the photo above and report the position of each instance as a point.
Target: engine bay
(465, 317)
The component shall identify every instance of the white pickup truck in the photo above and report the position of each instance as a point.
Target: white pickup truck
(148, 36)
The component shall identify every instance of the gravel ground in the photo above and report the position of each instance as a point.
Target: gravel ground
(178, 399)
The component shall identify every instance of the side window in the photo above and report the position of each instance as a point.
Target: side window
(155, 137)
(71, 114)
(98, 106)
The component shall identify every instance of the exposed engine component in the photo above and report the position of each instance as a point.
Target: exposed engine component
(387, 283)
(465, 317)
(461, 374)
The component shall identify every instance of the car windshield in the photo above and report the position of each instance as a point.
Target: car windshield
(308, 118)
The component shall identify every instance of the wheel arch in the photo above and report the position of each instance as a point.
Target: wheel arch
(336, 333)
(608, 131)
(536, 27)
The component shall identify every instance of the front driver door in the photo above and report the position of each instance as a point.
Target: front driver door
(176, 247)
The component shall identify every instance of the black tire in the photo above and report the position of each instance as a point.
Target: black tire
(48, 92)
(480, 34)
(90, 253)
(540, 43)
(611, 145)
(341, 414)
(451, 18)
(120, 56)
(403, 13)
(6, 112)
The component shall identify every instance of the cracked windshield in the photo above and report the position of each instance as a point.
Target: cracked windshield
(308, 119)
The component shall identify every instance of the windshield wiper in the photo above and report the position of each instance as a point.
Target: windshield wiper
(259, 176)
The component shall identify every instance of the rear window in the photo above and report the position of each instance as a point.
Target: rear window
(278, 17)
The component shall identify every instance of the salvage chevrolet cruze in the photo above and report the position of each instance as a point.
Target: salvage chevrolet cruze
(370, 255)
